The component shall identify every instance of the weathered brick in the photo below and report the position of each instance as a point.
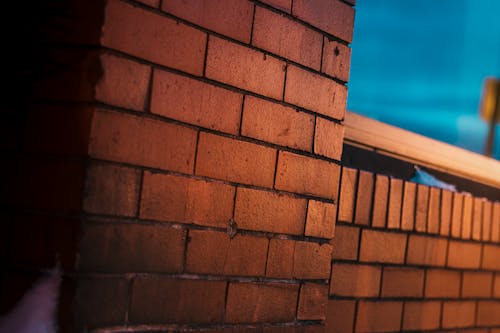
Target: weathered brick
(456, 215)
(380, 246)
(311, 260)
(422, 208)
(336, 59)
(328, 138)
(428, 251)
(333, 17)
(380, 199)
(157, 300)
(347, 194)
(280, 35)
(313, 300)
(467, 217)
(495, 223)
(134, 30)
(227, 17)
(378, 316)
(340, 316)
(408, 207)
(284, 5)
(486, 221)
(402, 282)
(345, 243)
(195, 102)
(233, 160)
(355, 280)
(123, 82)
(185, 200)
(131, 248)
(251, 302)
(476, 284)
(364, 198)
(421, 315)
(488, 313)
(441, 283)
(305, 175)
(269, 211)
(121, 137)
(446, 205)
(433, 214)
(458, 314)
(314, 92)
(111, 190)
(280, 258)
(394, 210)
(321, 218)
(245, 68)
(464, 255)
(275, 123)
(491, 257)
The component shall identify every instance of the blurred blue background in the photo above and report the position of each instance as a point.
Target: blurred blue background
(420, 65)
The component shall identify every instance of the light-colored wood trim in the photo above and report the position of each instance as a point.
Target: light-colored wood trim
(418, 149)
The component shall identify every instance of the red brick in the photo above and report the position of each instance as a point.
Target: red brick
(380, 199)
(446, 205)
(314, 92)
(157, 300)
(211, 252)
(477, 219)
(379, 246)
(434, 210)
(269, 211)
(321, 218)
(491, 257)
(428, 251)
(355, 280)
(402, 282)
(111, 190)
(195, 102)
(421, 315)
(280, 258)
(227, 17)
(458, 314)
(408, 206)
(441, 283)
(364, 198)
(456, 216)
(245, 68)
(476, 284)
(496, 286)
(284, 5)
(486, 221)
(305, 175)
(312, 302)
(236, 161)
(272, 122)
(152, 3)
(123, 82)
(467, 217)
(378, 316)
(131, 248)
(311, 260)
(495, 223)
(422, 208)
(122, 137)
(488, 313)
(347, 194)
(395, 196)
(333, 17)
(328, 138)
(340, 316)
(251, 302)
(153, 37)
(336, 59)
(179, 199)
(345, 243)
(464, 255)
(294, 41)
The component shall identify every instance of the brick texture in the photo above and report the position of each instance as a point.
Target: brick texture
(467, 217)
(328, 138)
(311, 260)
(488, 313)
(394, 210)
(408, 206)
(402, 282)
(491, 257)
(446, 206)
(456, 216)
(380, 199)
(280, 258)
(421, 315)
(347, 194)
(378, 316)
(345, 243)
(477, 219)
(313, 301)
(284, 5)
(336, 59)
(476, 284)
(355, 280)
(424, 250)
(340, 316)
(422, 208)
(321, 218)
(486, 225)
(434, 206)
(464, 255)
(442, 283)
(495, 222)
(379, 246)
(364, 198)
(458, 314)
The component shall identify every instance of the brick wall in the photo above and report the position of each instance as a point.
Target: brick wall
(408, 257)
